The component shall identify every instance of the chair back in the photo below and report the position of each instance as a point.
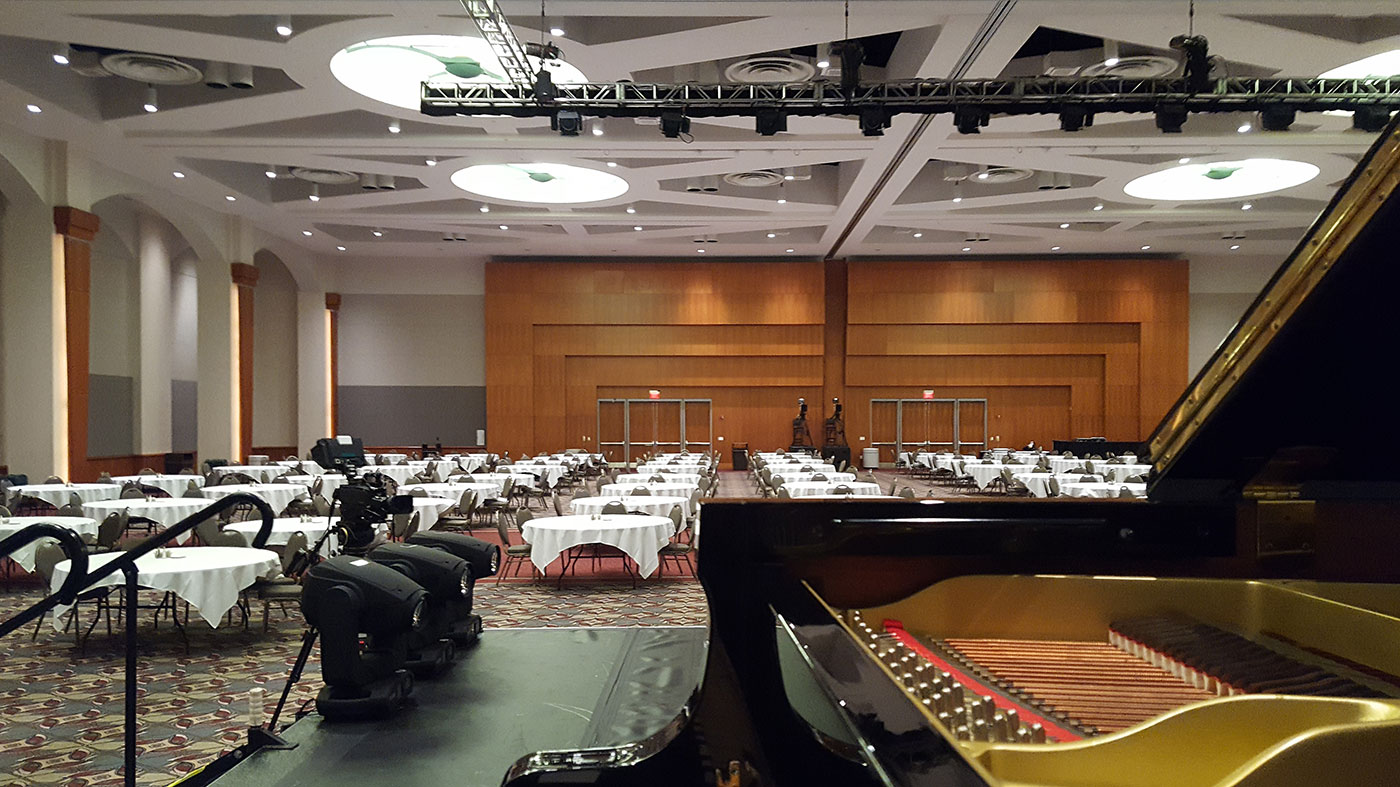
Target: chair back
(413, 522)
(522, 516)
(110, 529)
(657, 478)
(1052, 487)
(907, 493)
(70, 509)
(46, 557)
(819, 477)
(146, 471)
(502, 531)
(558, 504)
(418, 491)
(1088, 479)
(4, 512)
(53, 479)
(614, 507)
(105, 478)
(783, 493)
(321, 505)
(640, 490)
(296, 544)
(677, 518)
(131, 491)
(228, 538)
(842, 489)
(894, 482)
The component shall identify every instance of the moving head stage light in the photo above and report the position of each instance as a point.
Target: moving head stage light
(448, 580)
(366, 614)
(484, 559)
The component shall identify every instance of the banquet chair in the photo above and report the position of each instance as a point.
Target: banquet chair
(152, 491)
(657, 478)
(418, 491)
(558, 504)
(70, 509)
(1088, 479)
(192, 490)
(1013, 485)
(281, 590)
(227, 538)
(521, 517)
(1126, 493)
(105, 478)
(677, 551)
(53, 479)
(511, 553)
(639, 490)
(109, 532)
(614, 507)
(818, 477)
(785, 494)
(908, 493)
(1052, 487)
(229, 479)
(894, 482)
(4, 512)
(842, 489)
(404, 525)
(146, 471)
(47, 556)
(321, 505)
(132, 491)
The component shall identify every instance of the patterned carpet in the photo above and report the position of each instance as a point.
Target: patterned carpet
(61, 713)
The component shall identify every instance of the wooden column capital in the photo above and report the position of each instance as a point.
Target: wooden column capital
(333, 301)
(244, 275)
(75, 223)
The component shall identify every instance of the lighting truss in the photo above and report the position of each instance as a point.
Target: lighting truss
(1036, 96)
(495, 29)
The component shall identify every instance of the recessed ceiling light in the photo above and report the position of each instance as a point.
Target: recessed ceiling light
(1098, 207)
(377, 233)
(485, 209)
(772, 234)
(1064, 226)
(394, 127)
(631, 209)
(230, 198)
(33, 108)
(392, 70)
(1183, 161)
(61, 53)
(152, 100)
(284, 26)
(597, 127)
(431, 161)
(307, 233)
(1235, 247)
(699, 251)
(1221, 180)
(957, 199)
(918, 234)
(556, 31)
(1145, 248)
(983, 175)
(177, 173)
(1111, 62)
(789, 177)
(270, 172)
(789, 251)
(1244, 128)
(967, 248)
(612, 163)
(638, 229)
(505, 226)
(1054, 248)
(540, 182)
(782, 201)
(340, 248)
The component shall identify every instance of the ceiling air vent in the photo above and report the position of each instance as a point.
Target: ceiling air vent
(1002, 175)
(325, 176)
(756, 179)
(151, 69)
(769, 69)
(1134, 67)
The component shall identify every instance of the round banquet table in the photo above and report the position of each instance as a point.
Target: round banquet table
(810, 488)
(861, 497)
(390, 458)
(654, 505)
(453, 492)
(499, 479)
(257, 472)
(1039, 483)
(164, 511)
(641, 537)
(284, 527)
(1064, 464)
(688, 468)
(790, 476)
(1103, 490)
(59, 494)
(174, 485)
(400, 473)
(300, 467)
(547, 473)
(24, 556)
(983, 474)
(669, 490)
(671, 478)
(329, 482)
(209, 578)
(278, 496)
(430, 508)
(1117, 473)
(469, 462)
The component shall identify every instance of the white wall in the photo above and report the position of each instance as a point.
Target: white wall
(115, 332)
(1221, 289)
(274, 354)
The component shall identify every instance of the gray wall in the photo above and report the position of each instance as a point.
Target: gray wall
(1221, 289)
(184, 416)
(111, 415)
(412, 368)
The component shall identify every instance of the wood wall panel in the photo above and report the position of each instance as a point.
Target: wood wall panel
(1059, 348)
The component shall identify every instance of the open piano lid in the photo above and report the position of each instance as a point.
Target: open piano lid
(1298, 392)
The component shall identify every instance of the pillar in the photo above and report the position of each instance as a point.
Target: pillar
(315, 362)
(218, 363)
(245, 278)
(333, 306)
(76, 230)
(153, 381)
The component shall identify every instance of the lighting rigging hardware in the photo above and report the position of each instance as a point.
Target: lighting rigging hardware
(495, 29)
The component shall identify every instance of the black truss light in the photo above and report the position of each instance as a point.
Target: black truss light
(874, 121)
(1277, 118)
(448, 580)
(969, 120)
(1370, 118)
(1075, 119)
(770, 121)
(674, 123)
(567, 122)
(1171, 117)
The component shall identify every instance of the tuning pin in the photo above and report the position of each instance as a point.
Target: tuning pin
(974, 711)
(962, 733)
(957, 694)
(1013, 719)
(1037, 733)
(1000, 731)
(1023, 735)
(980, 731)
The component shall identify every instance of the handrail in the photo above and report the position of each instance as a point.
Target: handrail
(125, 563)
(73, 548)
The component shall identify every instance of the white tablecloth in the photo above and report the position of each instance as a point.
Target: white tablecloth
(641, 537)
(164, 511)
(279, 496)
(671, 490)
(655, 505)
(329, 482)
(984, 473)
(1118, 473)
(499, 479)
(400, 473)
(389, 458)
(24, 556)
(1063, 464)
(470, 462)
(430, 508)
(789, 476)
(1101, 490)
(259, 472)
(284, 527)
(210, 578)
(671, 478)
(174, 484)
(799, 467)
(1039, 483)
(453, 492)
(546, 473)
(59, 494)
(810, 488)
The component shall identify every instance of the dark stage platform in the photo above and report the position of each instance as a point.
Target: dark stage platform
(518, 691)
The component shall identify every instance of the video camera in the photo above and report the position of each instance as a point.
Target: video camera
(364, 503)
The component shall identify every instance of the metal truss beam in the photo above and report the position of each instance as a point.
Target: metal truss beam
(925, 97)
(496, 30)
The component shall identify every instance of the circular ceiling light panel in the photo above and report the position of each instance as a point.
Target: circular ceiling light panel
(151, 69)
(552, 184)
(391, 70)
(769, 69)
(1134, 67)
(999, 175)
(755, 179)
(1221, 180)
(325, 176)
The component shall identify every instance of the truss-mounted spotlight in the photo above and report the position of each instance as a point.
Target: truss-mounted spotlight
(970, 121)
(874, 121)
(152, 100)
(1277, 118)
(567, 122)
(1075, 119)
(1170, 118)
(770, 121)
(674, 123)
(284, 26)
(852, 58)
(544, 87)
(1370, 118)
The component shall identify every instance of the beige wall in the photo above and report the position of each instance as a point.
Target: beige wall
(274, 354)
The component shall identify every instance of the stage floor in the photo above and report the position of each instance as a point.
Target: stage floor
(516, 692)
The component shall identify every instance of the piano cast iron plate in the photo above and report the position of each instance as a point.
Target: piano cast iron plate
(515, 692)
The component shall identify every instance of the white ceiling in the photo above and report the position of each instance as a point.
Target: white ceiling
(868, 196)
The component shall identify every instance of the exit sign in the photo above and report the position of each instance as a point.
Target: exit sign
(928, 394)
(653, 394)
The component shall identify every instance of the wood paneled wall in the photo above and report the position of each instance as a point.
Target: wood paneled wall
(1060, 348)
(559, 336)
(1107, 337)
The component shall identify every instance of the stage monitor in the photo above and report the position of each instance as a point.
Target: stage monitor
(341, 447)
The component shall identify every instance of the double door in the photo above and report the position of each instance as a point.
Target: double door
(899, 425)
(628, 428)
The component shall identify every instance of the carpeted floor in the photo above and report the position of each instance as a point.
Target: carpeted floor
(61, 713)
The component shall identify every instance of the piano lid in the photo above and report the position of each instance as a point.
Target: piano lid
(1298, 396)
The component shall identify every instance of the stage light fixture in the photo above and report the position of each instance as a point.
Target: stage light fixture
(152, 100)
(284, 26)
(1170, 118)
(769, 122)
(1370, 119)
(874, 121)
(1075, 119)
(365, 613)
(545, 92)
(674, 123)
(567, 122)
(315, 192)
(970, 121)
(448, 580)
(483, 557)
(958, 191)
(394, 127)
(376, 232)
(823, 56)
(1277, 118)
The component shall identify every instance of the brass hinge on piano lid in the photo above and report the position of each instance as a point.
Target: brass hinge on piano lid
(1286, 524)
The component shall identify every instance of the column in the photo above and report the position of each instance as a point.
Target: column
(333, 306)
(218, 363)
(315, 362)
(153, 381)
(245, 278)
(76, 230)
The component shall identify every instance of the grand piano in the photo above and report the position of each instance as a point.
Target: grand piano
(1240, 627)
